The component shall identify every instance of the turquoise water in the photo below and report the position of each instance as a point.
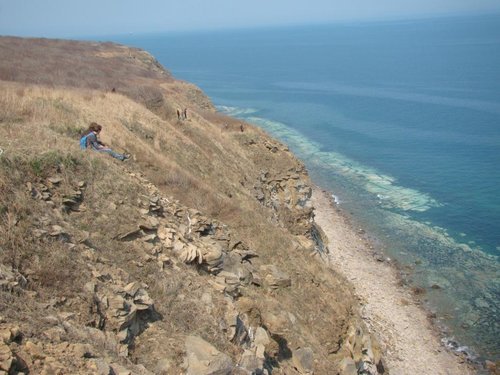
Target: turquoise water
(400, 120)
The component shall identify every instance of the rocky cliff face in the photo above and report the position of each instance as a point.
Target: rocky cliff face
(196, 256)
(288, 195)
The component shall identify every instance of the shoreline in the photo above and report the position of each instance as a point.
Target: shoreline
(410, 341)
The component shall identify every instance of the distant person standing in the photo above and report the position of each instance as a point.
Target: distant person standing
(89, 140)
(185, 113)
(178, 114)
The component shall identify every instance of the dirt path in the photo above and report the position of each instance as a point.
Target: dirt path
(405, 334)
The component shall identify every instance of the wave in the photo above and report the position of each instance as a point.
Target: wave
(235, 111)
(373, 181)
(461, 280)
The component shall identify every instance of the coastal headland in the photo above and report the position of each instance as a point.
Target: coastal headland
(207, 252)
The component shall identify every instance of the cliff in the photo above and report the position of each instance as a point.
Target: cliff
(199, 255)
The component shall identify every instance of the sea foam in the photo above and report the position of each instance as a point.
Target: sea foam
(373, 181)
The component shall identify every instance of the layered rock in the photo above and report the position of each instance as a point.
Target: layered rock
(288, 195)
(117, 274)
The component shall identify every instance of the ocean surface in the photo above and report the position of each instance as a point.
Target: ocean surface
(400, 120)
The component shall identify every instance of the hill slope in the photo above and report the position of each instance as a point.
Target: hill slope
(198, 255)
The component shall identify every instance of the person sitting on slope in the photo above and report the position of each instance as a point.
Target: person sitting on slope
(90, 140)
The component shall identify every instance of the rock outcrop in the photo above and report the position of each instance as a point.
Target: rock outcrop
(203, 359)
(193, 257)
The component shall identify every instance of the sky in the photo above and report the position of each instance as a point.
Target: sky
(73, 18)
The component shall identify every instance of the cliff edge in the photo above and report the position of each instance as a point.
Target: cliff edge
(199, 255)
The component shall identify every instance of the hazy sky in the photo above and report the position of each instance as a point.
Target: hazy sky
(66, 18)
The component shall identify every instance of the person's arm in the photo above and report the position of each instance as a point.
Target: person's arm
(93, 142)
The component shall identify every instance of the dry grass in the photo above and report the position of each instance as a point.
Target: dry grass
(52, 63)
(96, 66)
(46, 262)
(194, 162)
(205, 162)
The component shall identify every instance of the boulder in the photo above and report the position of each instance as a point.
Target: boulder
(98, 366)
(230, 283)
(261, 337)
(34, 350)
(52, 366)
(204, 359)
(119, 370)
(274, 278)
(303, 360)
(6, 357)
(251, 363)
(124, 310)
(348, 367)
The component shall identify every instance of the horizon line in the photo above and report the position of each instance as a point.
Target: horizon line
(263, 27)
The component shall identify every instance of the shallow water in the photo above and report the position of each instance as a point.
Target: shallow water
(400, 120)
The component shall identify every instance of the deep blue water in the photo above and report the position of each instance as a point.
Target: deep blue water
(400, 120)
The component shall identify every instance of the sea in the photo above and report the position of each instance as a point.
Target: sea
(400, 121)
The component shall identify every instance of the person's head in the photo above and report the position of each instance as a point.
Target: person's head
(95, 127)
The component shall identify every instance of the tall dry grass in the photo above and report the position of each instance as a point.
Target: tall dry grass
(75, 64)
(96, 66)
(205, 162)
(194, 160)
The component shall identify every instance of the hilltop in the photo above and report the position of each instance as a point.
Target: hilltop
(198, 255)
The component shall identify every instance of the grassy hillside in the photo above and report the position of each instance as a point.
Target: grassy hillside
(205, 233)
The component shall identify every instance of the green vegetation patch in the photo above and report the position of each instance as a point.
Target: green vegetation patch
(68, 129)
(44, 164)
